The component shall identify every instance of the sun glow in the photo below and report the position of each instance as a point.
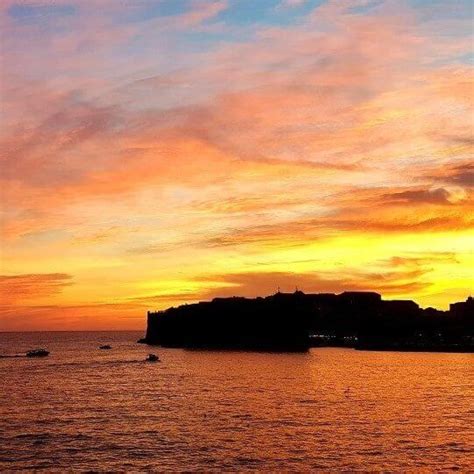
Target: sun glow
(152, 160)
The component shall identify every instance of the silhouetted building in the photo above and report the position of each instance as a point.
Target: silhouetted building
(279, 323)
(361, 298)
(296, 321)
(463, 309)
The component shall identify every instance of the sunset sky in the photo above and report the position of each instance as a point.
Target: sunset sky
(156, 152)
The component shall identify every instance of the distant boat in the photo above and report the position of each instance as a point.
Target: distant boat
(152, 358)
(37, 353)
(105, 346)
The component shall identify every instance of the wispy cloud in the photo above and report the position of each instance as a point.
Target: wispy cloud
(154, 137)
(21, 288)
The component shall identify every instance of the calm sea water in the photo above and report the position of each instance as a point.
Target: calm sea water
(330, 409)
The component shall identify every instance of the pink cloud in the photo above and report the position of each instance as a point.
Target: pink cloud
(355, 119)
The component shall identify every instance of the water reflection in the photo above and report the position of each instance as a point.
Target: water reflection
(84, 408)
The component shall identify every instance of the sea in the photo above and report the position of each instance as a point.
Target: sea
(330, 409)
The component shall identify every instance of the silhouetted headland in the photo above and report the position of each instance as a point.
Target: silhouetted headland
(297, 321)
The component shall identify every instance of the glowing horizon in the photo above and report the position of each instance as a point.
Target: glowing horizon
(163, 152)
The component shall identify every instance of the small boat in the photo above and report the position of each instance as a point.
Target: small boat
(105, 347)
(37, 353)
(152, 358)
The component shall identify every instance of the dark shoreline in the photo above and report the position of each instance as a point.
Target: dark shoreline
(216, 348)
(295, 322)
(439, 350)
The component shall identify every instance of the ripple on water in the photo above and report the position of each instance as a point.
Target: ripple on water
(331, 409)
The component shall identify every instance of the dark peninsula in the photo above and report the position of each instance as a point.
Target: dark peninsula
(297, 321)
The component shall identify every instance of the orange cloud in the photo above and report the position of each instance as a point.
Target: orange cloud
(19, 288)
(131, 148)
